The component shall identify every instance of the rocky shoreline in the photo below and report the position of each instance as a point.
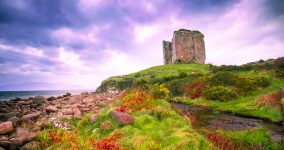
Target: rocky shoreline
(21, 120)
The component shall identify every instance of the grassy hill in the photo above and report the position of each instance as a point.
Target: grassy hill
(157, 74)
(249, 89)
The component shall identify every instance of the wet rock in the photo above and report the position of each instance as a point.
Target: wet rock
(6, 116)
(5, 143)
(6, 127)
(106, 125)
(68, 112)
(31, 116)
(94, 118)
(39, 100)
(52, 98)
(27, 123)
(14, 120)
(30, 146)
(51, 108)
(122, 118)
(23, 135)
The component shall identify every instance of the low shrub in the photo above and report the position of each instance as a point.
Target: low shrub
(223, 78)
(249, 83)
(193, 90)
(137, 101)
(109, 143)
(159, 91)
(182, 74)
(246, 83)
(262, 82)
(219, 93)
(232, 68)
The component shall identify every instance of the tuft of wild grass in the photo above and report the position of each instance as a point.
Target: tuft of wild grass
(259, 137)
(271, 100)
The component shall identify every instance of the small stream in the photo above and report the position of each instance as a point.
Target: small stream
(206, 118)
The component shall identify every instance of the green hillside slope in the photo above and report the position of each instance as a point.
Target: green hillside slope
(250, 89)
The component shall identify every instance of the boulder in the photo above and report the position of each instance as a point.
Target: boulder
(122, 118)
(52, 98)
(6, 127)
(51, 108)
(6, 116)
(31, 116)
(30, 146)
(23, 135)
(14, 120)
(106, 125)
(94, 118)
(68, 112)
(27, 123)
(5, 143)
(39, 100)
(77, 113)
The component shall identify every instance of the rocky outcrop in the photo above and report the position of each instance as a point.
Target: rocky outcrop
(186, 47)
(22, 120)
(122, 118)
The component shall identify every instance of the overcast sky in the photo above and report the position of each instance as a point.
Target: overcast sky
(78, 43)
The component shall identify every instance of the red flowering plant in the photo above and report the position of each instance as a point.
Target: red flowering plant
(108, 143)
(135, 101)
(193, 90)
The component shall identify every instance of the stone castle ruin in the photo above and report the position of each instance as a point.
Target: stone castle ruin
(186, 47)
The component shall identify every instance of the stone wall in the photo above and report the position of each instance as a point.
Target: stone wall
(167, 51)
(187, 47)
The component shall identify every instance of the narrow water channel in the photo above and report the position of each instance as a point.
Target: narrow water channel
(206, 118)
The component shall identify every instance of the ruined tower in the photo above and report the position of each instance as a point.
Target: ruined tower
(186, 47)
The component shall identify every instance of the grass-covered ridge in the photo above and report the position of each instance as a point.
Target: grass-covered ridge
(157, 74)
(231, 88)
(157, 128)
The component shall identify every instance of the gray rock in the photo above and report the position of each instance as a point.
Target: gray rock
(6, 127)
(31, 116)
(122, 118)
(106, 125)
(39, 100)
(94, 118)
(23, 135)
(30, 146)
(14, 120)
(51, 108)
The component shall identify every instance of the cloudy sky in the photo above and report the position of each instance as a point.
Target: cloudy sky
(75, 44)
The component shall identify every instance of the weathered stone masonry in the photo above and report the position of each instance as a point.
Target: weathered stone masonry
(186, 47)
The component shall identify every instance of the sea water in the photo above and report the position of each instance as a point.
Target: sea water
(8, 95)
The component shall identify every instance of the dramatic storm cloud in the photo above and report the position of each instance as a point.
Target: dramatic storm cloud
(76, 44)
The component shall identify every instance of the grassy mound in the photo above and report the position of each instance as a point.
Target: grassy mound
(159, 128)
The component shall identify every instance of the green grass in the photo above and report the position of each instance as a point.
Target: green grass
(161, 128)
(258, 136)
(246, 104)
(157, 74)
(170, 75)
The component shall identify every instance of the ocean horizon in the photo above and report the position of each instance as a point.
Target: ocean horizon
(9, 95)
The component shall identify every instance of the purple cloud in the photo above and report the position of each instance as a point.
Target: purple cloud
(85, 41)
